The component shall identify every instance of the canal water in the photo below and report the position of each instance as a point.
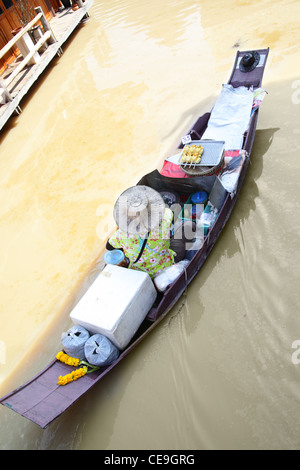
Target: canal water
(221, 371)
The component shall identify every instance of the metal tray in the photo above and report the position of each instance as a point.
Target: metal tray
(213, 151)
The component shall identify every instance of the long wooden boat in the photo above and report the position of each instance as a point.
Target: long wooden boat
(41, 400)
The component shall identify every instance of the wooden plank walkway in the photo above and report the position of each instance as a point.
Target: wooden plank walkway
(62, 26)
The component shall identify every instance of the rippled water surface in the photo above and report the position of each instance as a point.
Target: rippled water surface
(218, 372)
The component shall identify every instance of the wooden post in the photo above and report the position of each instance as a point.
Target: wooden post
(81, 5)
(27, 59)
(18, 110)
(25, 46)
(45, 25)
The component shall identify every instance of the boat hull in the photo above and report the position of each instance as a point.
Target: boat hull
(41, 400)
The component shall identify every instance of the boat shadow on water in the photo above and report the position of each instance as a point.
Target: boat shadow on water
(262, 143)
(228, 243)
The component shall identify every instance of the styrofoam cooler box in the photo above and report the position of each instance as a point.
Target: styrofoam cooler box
(116, 304)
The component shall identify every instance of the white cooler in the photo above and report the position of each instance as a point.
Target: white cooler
(116, 304)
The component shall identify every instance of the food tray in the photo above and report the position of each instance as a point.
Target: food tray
(213, 151)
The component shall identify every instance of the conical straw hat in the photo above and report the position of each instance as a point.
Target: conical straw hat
(139, 209)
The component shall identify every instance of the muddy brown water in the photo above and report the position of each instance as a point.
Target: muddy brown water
(221, 371)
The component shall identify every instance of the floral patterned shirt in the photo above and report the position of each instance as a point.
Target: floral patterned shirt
(157, 254)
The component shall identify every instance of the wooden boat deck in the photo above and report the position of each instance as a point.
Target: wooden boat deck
(62, 26)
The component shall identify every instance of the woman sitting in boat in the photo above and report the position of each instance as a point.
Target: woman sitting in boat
(143, 233)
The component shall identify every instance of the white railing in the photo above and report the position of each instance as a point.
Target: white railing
(28, 48)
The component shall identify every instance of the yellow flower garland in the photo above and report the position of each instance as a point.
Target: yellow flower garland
(76, 374)
(70, 361)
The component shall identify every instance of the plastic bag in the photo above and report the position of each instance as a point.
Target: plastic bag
(73, 341)
(208, 217)
(100, 351)
(168, 275)
(258, 97)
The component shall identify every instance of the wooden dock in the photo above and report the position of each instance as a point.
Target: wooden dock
(62, 26)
